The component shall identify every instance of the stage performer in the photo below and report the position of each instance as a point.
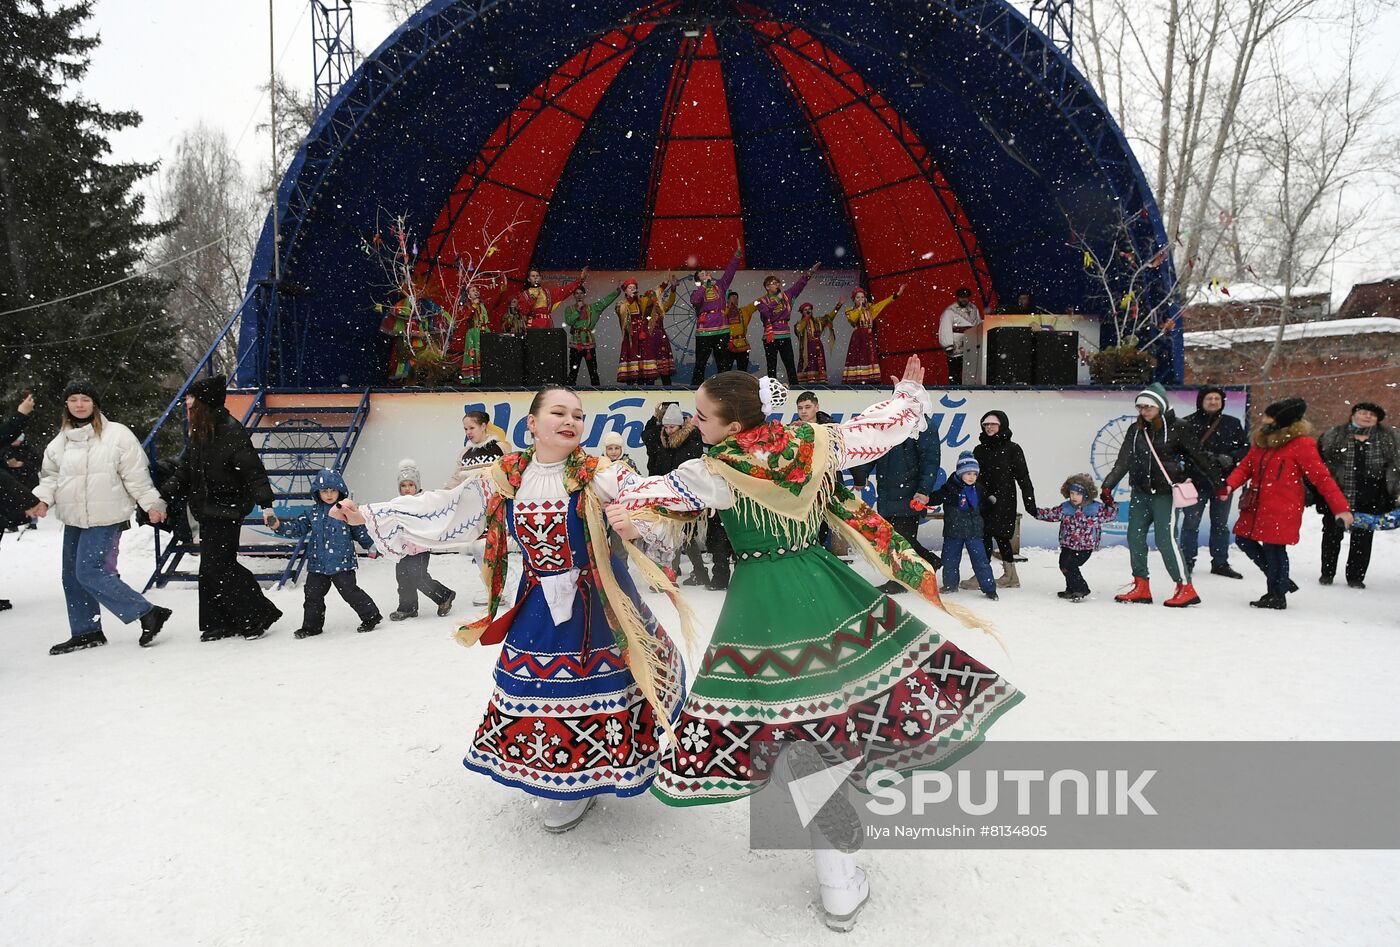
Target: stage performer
(411, 321)
(711, 323)
(536, 301)
(811, 365)
(863, 352)
(866, 672)
(635, 363)
(581, 318)
(513, 320)
(658, 342)
(472, 320)
(738, 318)
(587, 679)
(775, 310)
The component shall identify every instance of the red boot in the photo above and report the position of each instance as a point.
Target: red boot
(1140, 593)
(1185, 595)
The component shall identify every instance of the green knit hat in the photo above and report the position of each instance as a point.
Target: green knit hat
(1154, 394)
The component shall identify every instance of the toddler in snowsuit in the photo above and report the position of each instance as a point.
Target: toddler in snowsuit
(412, 571)
(962, 503)
(1081, 530)
(330, 556)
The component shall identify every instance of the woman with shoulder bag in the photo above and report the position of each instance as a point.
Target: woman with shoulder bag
(94, 475)
(1151, 459)
(223, 478)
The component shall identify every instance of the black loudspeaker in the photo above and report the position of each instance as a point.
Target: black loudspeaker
(1056, 358)
(546, 357)
(1011, 356)
(502, 360)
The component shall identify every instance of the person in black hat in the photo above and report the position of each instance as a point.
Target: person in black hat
(1283, 456)
(1221, 436)
(94, 475)
(222, 477)
(1363, 456)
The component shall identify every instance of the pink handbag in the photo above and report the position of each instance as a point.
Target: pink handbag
(1184, 493)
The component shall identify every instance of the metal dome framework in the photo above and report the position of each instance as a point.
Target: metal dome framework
(965, 150)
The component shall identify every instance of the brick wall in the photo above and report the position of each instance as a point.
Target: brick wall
(1330, 373)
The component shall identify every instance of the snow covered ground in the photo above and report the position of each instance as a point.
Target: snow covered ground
(311, 792)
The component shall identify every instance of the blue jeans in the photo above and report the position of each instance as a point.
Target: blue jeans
(1272, 560)
(977, 552)
(90, 579)
(1190, 537)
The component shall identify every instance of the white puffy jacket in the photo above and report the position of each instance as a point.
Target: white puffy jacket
(97, 481)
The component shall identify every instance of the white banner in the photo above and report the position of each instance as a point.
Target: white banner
(1062, 432)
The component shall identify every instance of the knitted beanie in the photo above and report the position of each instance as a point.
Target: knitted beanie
(211, 391)
(408, 470)
(967, 461)
(613, 439)
(673, 415)
(81, 386)
(1155, 395)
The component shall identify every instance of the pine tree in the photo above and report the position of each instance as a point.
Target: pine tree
(70, 220)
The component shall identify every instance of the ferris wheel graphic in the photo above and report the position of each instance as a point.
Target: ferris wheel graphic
(1102, 456)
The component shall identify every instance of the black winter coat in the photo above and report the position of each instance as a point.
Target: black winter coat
(1004, 468)
(222, 478)
(673, 451)
(16, 484)
(1221, 437)
(1172, 440)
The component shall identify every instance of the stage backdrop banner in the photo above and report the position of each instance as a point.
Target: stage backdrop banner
(1061, 431)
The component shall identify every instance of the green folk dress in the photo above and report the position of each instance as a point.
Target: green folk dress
(804, 647)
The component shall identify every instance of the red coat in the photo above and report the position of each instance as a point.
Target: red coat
(1275, 467)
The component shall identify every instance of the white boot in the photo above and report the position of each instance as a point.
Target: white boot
(844, 887)
(1009, 579)
(561, 816)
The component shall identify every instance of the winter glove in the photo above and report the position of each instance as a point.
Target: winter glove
(1224, 461)
(1222, 494)
(991, 499)
(1106, 496)
(1030, 506)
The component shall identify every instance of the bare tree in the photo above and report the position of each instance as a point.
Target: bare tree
(205, 191)
(1319, 134)
(401, 10)
(295, 115)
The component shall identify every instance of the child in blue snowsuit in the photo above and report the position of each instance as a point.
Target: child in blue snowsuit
(330, 556)
(962, 503)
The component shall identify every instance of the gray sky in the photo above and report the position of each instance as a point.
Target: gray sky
(180, 62)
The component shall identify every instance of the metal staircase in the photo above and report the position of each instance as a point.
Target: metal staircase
(294, 442)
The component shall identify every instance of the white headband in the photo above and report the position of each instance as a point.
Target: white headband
(772, 394)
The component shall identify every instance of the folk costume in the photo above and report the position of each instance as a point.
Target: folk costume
(536, 303)
(831, 657)
(738, 318)
(811, 359)
(640, 321)
(583, 344)
(711, 321)
(863, 353)
(472, 320)
(776, 313)
(587, 679)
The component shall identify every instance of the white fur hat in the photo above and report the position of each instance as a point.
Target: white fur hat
(408, 470)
